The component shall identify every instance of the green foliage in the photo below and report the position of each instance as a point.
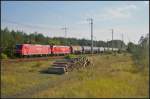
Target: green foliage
(54, 42)
(140, 53)
(4, 56)
(70, 56)
(117, 44)
(108, 52)
(119, 51)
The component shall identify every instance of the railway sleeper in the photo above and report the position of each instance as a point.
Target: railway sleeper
(57, 70)
(63, 66)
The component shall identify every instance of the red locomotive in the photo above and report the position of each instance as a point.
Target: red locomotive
(60, 50)
(30, 49)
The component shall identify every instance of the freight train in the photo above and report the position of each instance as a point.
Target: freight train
(37, 49)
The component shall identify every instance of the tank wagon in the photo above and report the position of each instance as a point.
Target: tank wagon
(102, 49)
(115, 49)
(76, 49)
(86, 49)
(96, 50)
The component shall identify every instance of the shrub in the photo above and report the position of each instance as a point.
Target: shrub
(108, 52)
(4, 56)
(69, 56)
(119, 51)
(141, 56)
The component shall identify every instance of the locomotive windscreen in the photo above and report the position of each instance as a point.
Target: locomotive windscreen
(18, 46)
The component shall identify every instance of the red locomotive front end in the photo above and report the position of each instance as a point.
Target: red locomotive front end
(30, 49)
(22, 49)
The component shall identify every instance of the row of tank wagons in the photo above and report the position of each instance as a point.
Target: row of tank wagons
(87, 49)
(35, 49)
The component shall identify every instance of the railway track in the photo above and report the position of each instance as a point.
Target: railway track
(33, 59)
(30, 59)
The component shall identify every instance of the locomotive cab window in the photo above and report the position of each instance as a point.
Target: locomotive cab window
(18, 46)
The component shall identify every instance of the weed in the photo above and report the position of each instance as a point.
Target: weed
(69, 56)
(4, 56)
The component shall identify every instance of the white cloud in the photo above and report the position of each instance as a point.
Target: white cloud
(111, 13)
(119, 13)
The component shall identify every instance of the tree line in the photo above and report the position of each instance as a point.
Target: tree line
(9, 39)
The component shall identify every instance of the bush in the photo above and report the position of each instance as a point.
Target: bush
(70, 56)
(141, 57)
(4, 56)
(120, 51)
(108, 52)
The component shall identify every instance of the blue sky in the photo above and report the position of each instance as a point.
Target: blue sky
(48, 17)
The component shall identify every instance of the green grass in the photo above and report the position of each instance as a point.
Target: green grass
(4, 56)
(69, 56)
(110, 76)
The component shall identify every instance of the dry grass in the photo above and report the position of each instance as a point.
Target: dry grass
(21, 76)
(111, 76)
